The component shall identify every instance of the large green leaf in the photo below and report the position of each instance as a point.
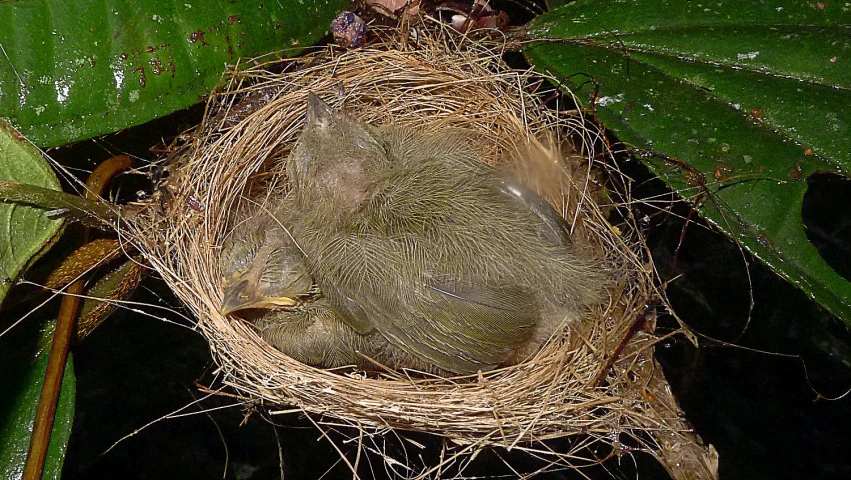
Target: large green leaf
(25, 231)
(73, 70)
(23, 354)
(741, 100)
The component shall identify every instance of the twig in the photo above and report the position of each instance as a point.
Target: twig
(65, 325)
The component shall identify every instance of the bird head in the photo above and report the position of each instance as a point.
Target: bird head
(334, 162)
(262, 267)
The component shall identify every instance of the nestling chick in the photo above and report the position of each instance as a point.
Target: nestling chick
(261, 266)
(315, 334)
(411, 236)
(263, 269)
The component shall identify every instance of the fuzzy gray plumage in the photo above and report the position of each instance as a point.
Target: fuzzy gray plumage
(425, 255)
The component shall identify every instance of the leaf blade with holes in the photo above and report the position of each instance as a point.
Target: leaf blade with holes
(742, 100)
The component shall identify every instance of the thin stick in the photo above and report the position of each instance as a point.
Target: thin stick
(65, 326)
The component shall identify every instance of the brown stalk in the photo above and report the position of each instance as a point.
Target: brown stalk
(65, 326)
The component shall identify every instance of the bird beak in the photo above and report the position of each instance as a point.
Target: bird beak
(242, 296)
(319, 114)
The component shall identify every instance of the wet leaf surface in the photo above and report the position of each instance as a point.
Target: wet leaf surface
(25, 232)
(732, 104)
(23, 354)
(74, 70)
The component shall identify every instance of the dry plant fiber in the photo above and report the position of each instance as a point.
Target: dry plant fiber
(583, 382)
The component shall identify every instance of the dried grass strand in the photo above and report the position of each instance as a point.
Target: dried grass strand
(441, 83)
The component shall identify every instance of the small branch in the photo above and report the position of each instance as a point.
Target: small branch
(640, 323)
(66, 323)
(52, 382)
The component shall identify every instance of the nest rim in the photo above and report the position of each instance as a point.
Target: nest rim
(549, 395)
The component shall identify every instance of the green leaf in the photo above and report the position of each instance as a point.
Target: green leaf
(74, 70)
(737, 100)
(23, 354)
(25, 232)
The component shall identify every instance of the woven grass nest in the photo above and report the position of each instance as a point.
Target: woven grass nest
(593, 379)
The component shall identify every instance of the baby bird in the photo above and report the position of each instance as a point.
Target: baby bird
(315, 334)
(262, 267)
(412, 237)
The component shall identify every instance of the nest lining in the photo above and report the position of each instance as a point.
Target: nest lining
(572, 386)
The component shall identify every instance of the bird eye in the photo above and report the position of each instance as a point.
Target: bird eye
(238, 253)
(286, 272)
(284, 262)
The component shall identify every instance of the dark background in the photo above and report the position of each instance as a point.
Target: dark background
(753, 389)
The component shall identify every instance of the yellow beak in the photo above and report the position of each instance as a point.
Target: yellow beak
(243, 296)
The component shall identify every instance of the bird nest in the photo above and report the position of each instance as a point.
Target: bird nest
(595, 379)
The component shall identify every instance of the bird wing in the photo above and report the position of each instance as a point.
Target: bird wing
(457, 326)
(552, 227)
(486, 322)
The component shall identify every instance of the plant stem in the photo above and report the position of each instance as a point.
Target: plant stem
(66, 323)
